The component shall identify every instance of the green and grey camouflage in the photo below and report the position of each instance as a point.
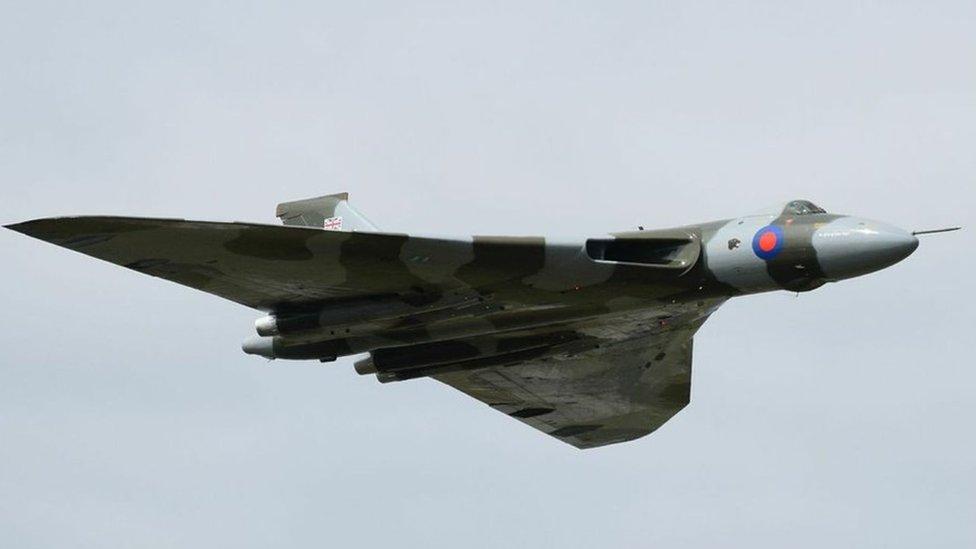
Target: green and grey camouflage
(588, 340)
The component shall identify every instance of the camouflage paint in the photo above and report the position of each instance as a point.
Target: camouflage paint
(588, 340)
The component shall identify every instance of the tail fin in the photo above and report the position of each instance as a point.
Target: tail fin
(331, 212)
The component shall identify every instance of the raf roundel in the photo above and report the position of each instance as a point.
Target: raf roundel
(768, 242)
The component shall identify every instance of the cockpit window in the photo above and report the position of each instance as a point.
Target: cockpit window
(803, 207)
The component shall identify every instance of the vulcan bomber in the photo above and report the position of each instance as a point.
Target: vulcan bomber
(588, 340)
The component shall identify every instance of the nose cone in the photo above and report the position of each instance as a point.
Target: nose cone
(849, 247)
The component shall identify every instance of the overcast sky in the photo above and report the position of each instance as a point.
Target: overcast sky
(130, 418)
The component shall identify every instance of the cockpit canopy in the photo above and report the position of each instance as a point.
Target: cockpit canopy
(802, 207)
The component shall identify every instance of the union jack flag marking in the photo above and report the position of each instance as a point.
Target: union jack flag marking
(333, 224)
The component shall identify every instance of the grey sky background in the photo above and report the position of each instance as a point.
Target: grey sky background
(130, 418)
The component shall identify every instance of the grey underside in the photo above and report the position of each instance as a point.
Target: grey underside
(632, 374)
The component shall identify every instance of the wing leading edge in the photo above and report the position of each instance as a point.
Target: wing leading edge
(266, 267)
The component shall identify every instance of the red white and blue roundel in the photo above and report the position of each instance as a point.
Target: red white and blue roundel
(768, 242)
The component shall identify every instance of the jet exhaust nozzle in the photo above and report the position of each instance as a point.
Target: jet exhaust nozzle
(266, 325)
(275, 347)
(261, 346)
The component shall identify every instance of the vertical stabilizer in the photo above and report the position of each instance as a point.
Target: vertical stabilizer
(331, 212)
